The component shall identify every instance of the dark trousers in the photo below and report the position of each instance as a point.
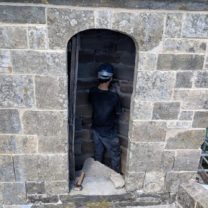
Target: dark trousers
(111, 143)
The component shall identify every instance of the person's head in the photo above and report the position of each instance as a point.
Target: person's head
(105, 73)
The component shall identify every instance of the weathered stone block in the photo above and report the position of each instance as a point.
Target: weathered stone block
(6, 169)
(13, 37)
(154, 86)
(184, 79)
(134, 181)
(147, 27)
(200, 119)
(56, 187)
(38, 38)
(22, 14)
(147, 61)
(154, 182)
(52, 144)
(184, 46)
(16, 190)
(144, 131)
(44, 63)
(192, 99)
(35, 187)
(51, 92)
(179, 124)
(103, 19)
(180, 62)
(186, 115)
(195, 26)
(64, 23)
(41, 167)
(173, 25)
(184, 139)
(145, 156)
(201, 79)
(173, 179)
(5, 61)
(16, 91)
(45, 123)
(166, 111)
(186, 160)
(17, 144)
(9, 121)
(142, 110)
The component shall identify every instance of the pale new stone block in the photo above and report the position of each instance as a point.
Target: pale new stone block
(16, 91)
(154, 182)
(166, 111)
(38, 38)
(147, 61)
(186, 115)
(11, 144)
(13, 37)
(192, 99)
(51, 92)
(5, 61)
(103, 19)
(154, 86)
(173, 25)
(184, 139)
(180, 62)
(195, 26)
(9, 121)
(44, 123)
(148, 131)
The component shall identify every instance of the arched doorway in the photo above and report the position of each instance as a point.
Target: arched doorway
(86, 51)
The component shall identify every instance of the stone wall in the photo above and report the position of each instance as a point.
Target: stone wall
(169, 100)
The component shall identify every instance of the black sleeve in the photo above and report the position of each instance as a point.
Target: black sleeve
(90, 96)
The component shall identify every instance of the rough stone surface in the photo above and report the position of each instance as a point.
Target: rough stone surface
(184, 46)
(13, 37)
(41, 63)
(16, 190)
(64, 23)
(166, 111)
(154, 86)
(147, 61)
(142, 110)
(180, 62)
(11, 144)
(179, 124)
(35, 187)
(201, 80)
(33, 167)
(195, 26)
(186, 160)
(148, 131)
(200, 119)
(5, 61)
(22, 14)
(184, 79)
(154, 182)
(51, 92)
(38, 37)
(117, 180)
(52, 144)
(147, 27)
(9, 121)
(44, 123)
(173, 25)
(134, 181)
(56, 187)
(6, 169)
(186, 115)
(192, 99)
(184, 139)
(16, 91)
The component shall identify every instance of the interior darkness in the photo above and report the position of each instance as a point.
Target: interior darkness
(97, 47)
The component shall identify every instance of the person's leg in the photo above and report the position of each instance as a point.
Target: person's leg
(98, 146)
(112, 145)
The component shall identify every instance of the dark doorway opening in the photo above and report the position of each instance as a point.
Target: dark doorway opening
(86, 51)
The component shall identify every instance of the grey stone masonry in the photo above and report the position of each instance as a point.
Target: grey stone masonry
(164, 90)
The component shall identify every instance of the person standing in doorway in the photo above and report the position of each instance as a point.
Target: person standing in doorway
(106, 108)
